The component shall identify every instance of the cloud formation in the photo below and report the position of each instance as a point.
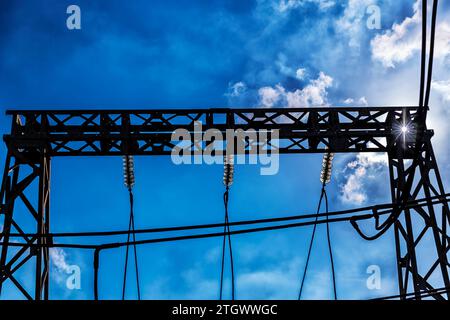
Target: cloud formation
(362, 176)
(352, 22)
(236, 89)
(361, 102)
(442, 88)
(314, 94)
(286, 5)
(400, 43)
(58, 258)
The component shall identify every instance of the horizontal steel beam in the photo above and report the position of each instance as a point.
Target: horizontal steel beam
(149, 132)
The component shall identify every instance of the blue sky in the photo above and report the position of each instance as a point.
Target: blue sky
(202, 54)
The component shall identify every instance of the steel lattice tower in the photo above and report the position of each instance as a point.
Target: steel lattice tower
(38, 136)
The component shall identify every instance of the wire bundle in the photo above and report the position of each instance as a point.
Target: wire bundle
(325, 178)
(228, 175)
(129, 181)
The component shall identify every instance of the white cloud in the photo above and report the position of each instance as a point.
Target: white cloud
(362, 102)
(314, 94)
(199, 287)
(58, 257)
(349, 101)
(270, 96)
(403, 41)
(352, 279)
(286, 5)
(236, 89)
(352, 23)
(325, 4)
(400, 43)
(442, 42)
(283, 67)
(300, 74)
(352, 191)
(286, 70)
(278, 282)
(442, 88)
(438, 119)
(364, 171)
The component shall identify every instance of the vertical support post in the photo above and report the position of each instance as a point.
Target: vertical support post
(403, 232)
(414, 274)
(43, 226)
(15, 181)
(25, 164)
(8, 184)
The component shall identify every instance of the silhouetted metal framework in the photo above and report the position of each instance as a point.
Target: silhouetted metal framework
(37, 136)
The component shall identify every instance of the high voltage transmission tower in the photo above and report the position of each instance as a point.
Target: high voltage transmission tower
(419, 212)
(38, 136)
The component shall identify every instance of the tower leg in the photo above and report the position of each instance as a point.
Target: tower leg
(420, 232)
(21, 171)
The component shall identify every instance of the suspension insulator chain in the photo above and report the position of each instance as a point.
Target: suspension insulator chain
(228, 170)
(327, 165)
(128, 171)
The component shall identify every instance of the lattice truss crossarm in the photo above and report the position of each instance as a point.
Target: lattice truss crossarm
(149, 132)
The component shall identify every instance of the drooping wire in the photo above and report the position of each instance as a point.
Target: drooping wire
(423, 53)
(378, 210)
(311, 243)
(330, 249)
(422, 113)
(325, 178)
(129, 181)
(425, 85)
(111, 245)
(431, 54)
(228, 181)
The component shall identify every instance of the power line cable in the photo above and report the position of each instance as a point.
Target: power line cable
(203, 235)
(378, 210)
(311, 243)
(325, 178)
(431, 54)
(129, 180)
(133, 235)
(330, 249)
(228, 181)
(421, 119)
(423, 53)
